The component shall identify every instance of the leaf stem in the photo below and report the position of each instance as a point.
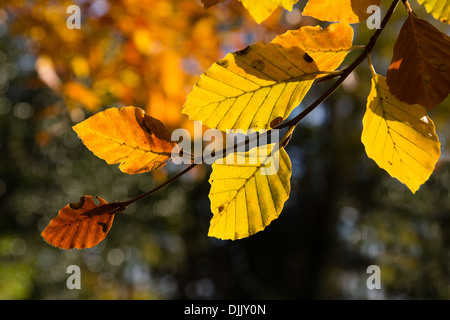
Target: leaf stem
(372, 69)
(407, 6)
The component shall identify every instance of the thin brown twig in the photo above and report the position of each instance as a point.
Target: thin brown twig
(144, 195)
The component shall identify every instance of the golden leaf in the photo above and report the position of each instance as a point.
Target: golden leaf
(127, 136)
(260, 10)
(250, 88)
(327, 47)
(246, 196)
(349, 11)
(399, 137)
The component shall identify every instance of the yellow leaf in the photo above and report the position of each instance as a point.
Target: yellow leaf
(400, 137)
(440, 9)
(260, 10)
(250, 88)
(327, 47)
(127, 136)
(349, 11)
(246, 196)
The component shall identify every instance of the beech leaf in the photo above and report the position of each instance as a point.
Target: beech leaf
(81, 225)
(399, 137)
(349, 11)
(246, 196)
(260, 10)
(126, 135)
(250, 88)
(420, 68)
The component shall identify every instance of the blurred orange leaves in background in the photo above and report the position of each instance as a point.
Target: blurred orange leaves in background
(130, 52)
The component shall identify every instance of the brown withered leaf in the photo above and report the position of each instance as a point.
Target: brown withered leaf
(81, 225)
(126, 135)
(420, 68)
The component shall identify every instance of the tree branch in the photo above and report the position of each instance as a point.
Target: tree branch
(291, 124)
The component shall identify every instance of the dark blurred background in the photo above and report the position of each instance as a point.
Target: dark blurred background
(344, 213)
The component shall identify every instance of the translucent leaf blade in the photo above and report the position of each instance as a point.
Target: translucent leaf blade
(327, 47)
(81, 225)
(349, 11)
(399, 137)
(260, 10)
(246, 198)
(420, 68)
(127, 136)
(250, 88)
(439, 9)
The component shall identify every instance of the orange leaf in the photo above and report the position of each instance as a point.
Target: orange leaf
(81, 225)
(349, 11)
(127, 136)
(420, 69)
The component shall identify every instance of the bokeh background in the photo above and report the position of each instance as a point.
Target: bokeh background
(344, 213)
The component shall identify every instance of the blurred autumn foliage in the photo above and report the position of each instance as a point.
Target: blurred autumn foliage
(342, 216)
(129, 52)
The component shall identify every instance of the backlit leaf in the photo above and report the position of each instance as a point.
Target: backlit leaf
(260, 10)
(127, 136)
(440, 9)
(400, 137)
(349, 11)
(327, 47)
(81, 225)
(252, 87)
(246, 196)
(420, 67)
